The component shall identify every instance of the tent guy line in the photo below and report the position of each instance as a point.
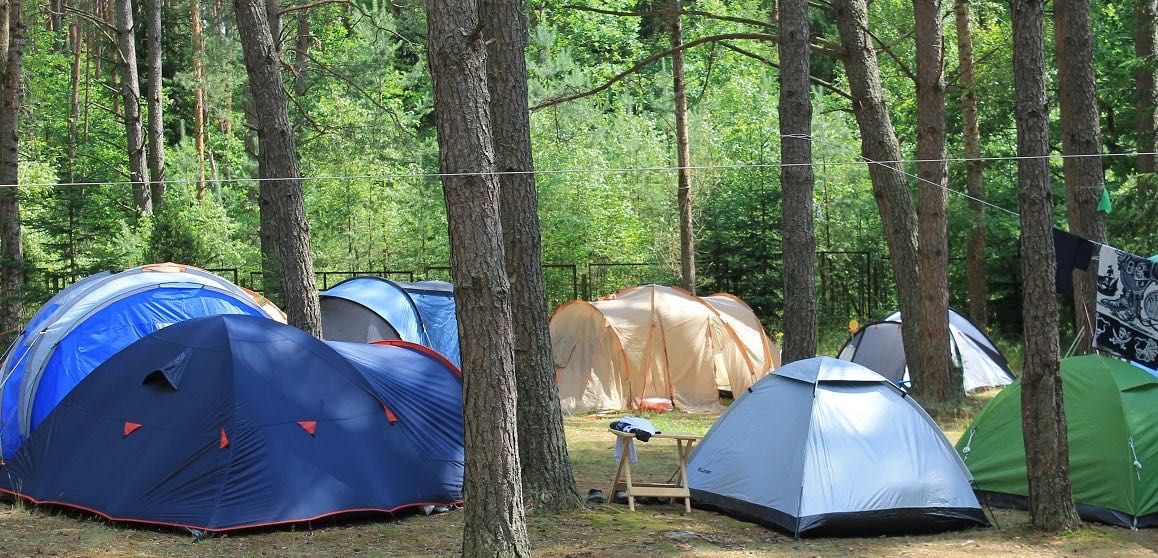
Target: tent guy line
(673, 168)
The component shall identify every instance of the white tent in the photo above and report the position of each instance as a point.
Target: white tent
(828, 447)
(878, 346)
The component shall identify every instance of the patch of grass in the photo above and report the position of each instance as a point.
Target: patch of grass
(596, 531)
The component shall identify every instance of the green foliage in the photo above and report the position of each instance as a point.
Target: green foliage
(192, 231)
(606, 187)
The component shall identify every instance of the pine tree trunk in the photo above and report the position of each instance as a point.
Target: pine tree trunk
(890, 186)
(277, 164)
(683, 155)
(797, 183)
(198, 38)
(156, 122)
(548, 482)
(494, 524)
(55, 16)
(1051, 504)
(1146, 83)
(11, 243)
(273, 16)
(301, 53)
(89, 62)
(74, 98)
(1081, 135)
(974, 178)
(131, 94)
(5, 41)
(940, 382)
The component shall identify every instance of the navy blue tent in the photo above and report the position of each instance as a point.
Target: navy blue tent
(368, 309)
(91, 320)
(229, 422)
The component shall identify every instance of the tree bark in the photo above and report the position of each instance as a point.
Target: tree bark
(1051, 504)
(683, 154)
(548, 481)
(494, 524)
(273, 16)
(131, 93)
(797, 183)
(198, 37)
(940, 382)
(1146, 83)
(879, 146)
(156, 122)
(277, 164)
(5, 40)
(974, 178)
(11, 243)
(301, 53)
(1081, 135)
(55, 16)
(74, 98)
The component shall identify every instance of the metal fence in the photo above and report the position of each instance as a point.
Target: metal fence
(849, 283)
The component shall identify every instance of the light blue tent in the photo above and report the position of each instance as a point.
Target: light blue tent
(368, 309)
(435, 301)
(88, 322)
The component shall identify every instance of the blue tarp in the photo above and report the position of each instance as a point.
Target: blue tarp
(229, 422)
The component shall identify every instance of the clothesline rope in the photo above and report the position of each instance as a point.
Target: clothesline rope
(945, 187)
(619, 170)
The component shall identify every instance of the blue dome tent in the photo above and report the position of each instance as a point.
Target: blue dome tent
(92, 319)
(368, 309)
(231, 422)
(826, 447)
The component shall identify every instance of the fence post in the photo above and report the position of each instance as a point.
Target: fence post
(574, 281)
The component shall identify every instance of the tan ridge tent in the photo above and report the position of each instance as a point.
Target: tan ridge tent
(656, 341)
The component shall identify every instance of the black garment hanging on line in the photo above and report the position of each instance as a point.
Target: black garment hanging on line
(1073, 252)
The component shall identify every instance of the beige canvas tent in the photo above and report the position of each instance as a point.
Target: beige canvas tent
(655, 341)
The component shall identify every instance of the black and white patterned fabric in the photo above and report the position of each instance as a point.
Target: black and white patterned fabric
(1127, 322)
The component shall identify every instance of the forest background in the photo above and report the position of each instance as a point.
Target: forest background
(362, 113)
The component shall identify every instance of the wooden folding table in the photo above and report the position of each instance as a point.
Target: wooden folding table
(623, 481)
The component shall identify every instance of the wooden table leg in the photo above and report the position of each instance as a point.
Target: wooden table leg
(623, 472)
(684, 447)
(618, 475)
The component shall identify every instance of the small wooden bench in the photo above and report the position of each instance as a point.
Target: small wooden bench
(623, 481)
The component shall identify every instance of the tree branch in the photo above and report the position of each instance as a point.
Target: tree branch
(318, 128)
(708, 15)
(819, 44)
(829, 86)
(951, 79)
(889, 51)
(92, 18)
(651, 60)
(358, 88)
(821, 4)
(309, 5)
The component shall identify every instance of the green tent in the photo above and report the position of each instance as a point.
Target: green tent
(1112, 415)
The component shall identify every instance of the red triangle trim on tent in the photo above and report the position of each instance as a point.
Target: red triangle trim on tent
(390, 416)
(310, 426)
(130, 427)
(224, 441)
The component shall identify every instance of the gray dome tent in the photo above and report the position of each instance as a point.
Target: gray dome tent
(828, 447)
(878, 347)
